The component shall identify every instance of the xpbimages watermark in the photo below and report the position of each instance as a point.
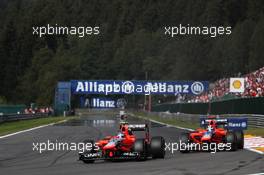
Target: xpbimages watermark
(207, 147)
(212, 31)
(79, 31)
(171, 147)
(81, 147)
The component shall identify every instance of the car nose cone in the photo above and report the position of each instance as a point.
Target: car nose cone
(206, 138)
(109, 146)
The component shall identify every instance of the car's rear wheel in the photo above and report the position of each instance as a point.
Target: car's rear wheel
(231, 140)
(184, 140)
(140, 147)
(240, 139)
(157, 146)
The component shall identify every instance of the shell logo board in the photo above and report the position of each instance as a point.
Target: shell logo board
(237, 85)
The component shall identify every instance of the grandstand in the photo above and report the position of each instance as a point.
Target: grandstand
(254, 87)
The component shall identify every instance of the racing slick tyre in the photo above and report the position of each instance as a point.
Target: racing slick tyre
(140, 147)
(184, 139)
(88, 151)
(231, 139)
(157, 147)
(240, 139)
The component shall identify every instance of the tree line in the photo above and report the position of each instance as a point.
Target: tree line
(131, 43)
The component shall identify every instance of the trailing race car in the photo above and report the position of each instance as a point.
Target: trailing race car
(216, 131)
(125, 145)
(122, 117)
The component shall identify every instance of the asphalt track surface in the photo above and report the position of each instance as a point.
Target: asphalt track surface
(17, 157)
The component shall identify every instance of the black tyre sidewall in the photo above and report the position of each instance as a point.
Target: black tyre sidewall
(184, 138)
(240, 139)
(140, 147)
(90, 151)
(157, 147)
(231, 139)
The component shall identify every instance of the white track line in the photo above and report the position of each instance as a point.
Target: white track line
(188, 129)
(254, 150)
(31, 129)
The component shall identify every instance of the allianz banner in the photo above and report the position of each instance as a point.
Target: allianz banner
(108, 87)
(103, 103)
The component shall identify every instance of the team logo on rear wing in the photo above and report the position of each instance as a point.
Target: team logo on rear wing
(138, 127)
(228, 123)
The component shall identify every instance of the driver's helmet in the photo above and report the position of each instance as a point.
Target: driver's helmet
(210, 128)
(213, 123)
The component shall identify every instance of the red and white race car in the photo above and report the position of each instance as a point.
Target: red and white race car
(125, 145)
(215, 131)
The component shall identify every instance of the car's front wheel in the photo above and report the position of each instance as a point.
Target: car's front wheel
(87, 152)
(184, 142)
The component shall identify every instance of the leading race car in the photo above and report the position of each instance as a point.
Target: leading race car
(125, 145)
(216, 131)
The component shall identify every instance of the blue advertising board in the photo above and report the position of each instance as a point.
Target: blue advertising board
(103, 103)
(235, 123)
(108, 87)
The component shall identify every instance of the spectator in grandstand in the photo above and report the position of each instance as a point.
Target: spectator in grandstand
(254, 87)
(44, 110)
(26, 111)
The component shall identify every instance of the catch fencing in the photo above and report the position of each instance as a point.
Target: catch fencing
(256, 121)
(252, 108)
(233, 106)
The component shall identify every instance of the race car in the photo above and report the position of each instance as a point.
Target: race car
(122, 117)
(125, 145)
(217, 131)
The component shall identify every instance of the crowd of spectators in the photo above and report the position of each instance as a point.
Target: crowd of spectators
(254, 87)
(44, 110)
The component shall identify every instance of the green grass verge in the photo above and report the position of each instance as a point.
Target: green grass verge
(169, 121)
(250, 130)
(11, 127)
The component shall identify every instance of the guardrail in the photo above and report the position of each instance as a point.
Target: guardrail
(15, 117)
(254, 105)
(256, 121)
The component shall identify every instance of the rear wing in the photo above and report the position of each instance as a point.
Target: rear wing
(138, 127)
(205, 121)
(228, 123)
